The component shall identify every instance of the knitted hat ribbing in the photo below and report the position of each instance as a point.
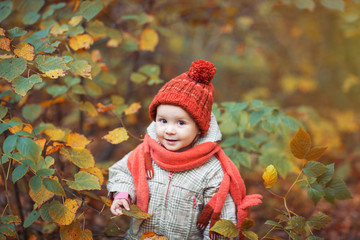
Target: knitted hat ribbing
(192, 90)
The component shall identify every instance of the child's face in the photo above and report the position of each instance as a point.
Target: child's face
(175, 128)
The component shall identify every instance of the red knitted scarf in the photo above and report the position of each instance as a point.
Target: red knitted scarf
(140, 166)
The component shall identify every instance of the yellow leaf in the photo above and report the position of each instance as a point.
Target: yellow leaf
(76, 140)
(75, 232)
(301, 143)
(89, 108)
(315, 153)
(81, 41)
(112, 43)
(226, 228)
(57, 30)
(28, 128)
(75, 20)
(149, 39)
(16, 128)
(350, 82)
(106, 201)
(41, 142)
(54, 74)
(41, 196)
(270, 176)
(133, 108)
(55, 134)
(5, 44)
(116, 136)
(136, 212)
(97, 172)
(63, 214)
(80, 157)
(26, 51)
(346, 121)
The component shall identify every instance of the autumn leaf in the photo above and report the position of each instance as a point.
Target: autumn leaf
(149, 39)
(116, 136)
(152, 236)
(89, 108)
(75, 232)
(5, 44)
(315, 153)
(80, 157)
(101, 108)
(270, 176)
(81, 41)
(96, 56)
(26, 51)
(55, 134)
(84, 181)
(41, 142)
(28, 128)
(56, 73)
(247, 223)
(41, 196)
(136, 212)
(133, 108)
(301, 143)
(97, 172)
(50, 102)
(226, 228)
(54, 148)
(63, 214)
(76, 140)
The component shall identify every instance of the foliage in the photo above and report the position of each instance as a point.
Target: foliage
(76, 75)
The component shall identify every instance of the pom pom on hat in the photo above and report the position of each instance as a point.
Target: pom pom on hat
(202, 71)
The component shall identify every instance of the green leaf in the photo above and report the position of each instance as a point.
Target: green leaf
(326, 177)
(89, 9)
(319, 221)
(22, 85)
(314, 169)
(81, 68)
(334, 4)
(108, 78)
(44, 212)
(19, 172)
(315, 192)
(257, 103)
(228, 127)
(84, 181)
(10, 143)
(54, 186)
(43, 46)
(256, 117)
(12, 67)
(305, 4)
(3, 111)
(37, 35)
(7, 230)
(226, 228)
(31, 111)
(137, 77)
(150, 70)
(45, 172)
(28, 148)
(31, 18)
(297, 223)
(341, 192)
(16, 32)
(4, 159)
(291, 122)
(10, 219)
(35, 183)
(243, 120)
(33, 216)
(242, 158)
(273, 223)
(268, 126)
(29, 6)
(230, 142)
(5, 9)
(46, 63)
(249, 145)
(56, 90)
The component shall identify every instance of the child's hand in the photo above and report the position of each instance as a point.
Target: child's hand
(117, 205)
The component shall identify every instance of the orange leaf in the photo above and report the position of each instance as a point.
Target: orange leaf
(133, 108)
(28, 128)
(76, 140)
(301, 143)
(101, 108)
(5, 44)
(56, 146)
(26, 51)
(81, 41)
(149, 39)
(315, 153)
(152, 236)
(96, 56)
(48, 103)
(41, 142)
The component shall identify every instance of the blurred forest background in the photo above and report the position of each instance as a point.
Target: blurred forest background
(89, 67)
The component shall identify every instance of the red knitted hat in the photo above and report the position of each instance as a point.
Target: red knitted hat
(192, 91)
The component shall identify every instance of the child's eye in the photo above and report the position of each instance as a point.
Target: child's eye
(181, 123)
(162, 121)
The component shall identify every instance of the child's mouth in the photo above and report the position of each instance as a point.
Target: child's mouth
(171, 141)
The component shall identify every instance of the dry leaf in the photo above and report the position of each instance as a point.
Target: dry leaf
(301, 143)
(28, 128)
(136, 212)
(247, 223)
(56, 146)
(226, 228)
(102, 108)
(270, 176)
(5, 44)
(41, 142)
(76, 140)
(81, 41)
(48, 103)
(315, 153)
(133, 108)
(26, 51)
(149, 39)
(54, 74)
(116, 136)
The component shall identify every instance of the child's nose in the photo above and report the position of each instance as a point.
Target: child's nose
(170, 129)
